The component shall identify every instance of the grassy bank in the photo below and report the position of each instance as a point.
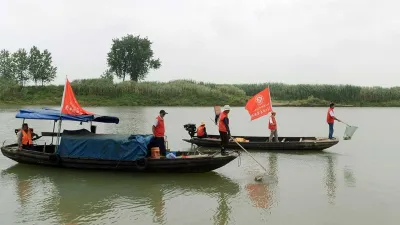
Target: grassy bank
(102, 92)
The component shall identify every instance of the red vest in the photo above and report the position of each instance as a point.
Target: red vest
(160, 128)
(329, 118)
(221, 123)
(272, 126)
(200, 131)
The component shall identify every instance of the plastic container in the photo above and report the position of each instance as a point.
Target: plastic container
(171, 155)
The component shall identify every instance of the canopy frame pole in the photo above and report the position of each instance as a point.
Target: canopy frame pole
(58, 134)
(52, 135)
(59, 122)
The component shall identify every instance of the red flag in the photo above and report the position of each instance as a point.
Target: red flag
(70, 105)
(259, 105)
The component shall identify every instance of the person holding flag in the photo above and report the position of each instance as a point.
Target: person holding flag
(273, 127)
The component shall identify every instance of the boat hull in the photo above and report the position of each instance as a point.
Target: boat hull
(261, 143)
(193, 164)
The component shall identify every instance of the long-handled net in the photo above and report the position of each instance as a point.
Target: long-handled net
(348, 133)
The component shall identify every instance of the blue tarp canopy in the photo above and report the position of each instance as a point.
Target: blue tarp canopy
(84, 144)
(53, 114)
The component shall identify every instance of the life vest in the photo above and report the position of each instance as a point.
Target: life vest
(272, 126)
(329, 118)
(200, 131)
(160, 128)
(221, 124)
(26, 137)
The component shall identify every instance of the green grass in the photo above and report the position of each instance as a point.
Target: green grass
(102, 92)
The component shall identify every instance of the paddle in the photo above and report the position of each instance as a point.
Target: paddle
(257, 178)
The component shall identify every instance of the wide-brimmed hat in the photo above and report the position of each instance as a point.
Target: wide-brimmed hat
(227, 107)
(202, 123)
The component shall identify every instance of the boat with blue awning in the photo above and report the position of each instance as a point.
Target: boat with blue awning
(84, 149)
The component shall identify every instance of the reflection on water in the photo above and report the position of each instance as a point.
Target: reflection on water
(261, 194)
(330, 179)
(71, 196)
(349, 177)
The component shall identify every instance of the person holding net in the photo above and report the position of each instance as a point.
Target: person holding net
(330, 119)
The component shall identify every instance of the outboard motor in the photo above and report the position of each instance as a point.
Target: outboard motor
(190, 128)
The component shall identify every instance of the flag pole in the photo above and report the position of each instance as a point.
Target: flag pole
(59, 121)
(270, 98)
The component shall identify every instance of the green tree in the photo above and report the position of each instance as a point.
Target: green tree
(107, 75)
(133, 56)
(47, 72)
(21, 65)
(35, 64)
(6, 65)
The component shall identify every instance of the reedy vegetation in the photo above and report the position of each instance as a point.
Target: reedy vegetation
(104, 92)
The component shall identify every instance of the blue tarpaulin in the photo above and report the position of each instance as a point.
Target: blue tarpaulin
(79, 144)
(53, 114)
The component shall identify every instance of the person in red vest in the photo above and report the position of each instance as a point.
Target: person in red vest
(223, 127)
(273, 126)
(159, 132)
(330, 119)
(201, 131)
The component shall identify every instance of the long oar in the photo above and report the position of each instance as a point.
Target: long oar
(257, 178)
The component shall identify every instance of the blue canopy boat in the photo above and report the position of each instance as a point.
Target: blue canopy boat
(85, 149)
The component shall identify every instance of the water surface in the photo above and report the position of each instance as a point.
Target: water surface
(354, 182)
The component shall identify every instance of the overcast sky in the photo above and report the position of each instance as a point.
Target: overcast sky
(235, 41)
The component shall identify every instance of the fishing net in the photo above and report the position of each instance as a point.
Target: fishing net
(348, 133)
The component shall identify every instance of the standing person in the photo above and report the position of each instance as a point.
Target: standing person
(273, 126)
(201, 131)
(223, 127)
(330, 119)
(159, 132)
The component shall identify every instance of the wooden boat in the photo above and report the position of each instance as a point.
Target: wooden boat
(83, 149)
(261, 143)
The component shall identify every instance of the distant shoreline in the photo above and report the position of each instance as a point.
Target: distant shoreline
(91, 104)
(104, 92)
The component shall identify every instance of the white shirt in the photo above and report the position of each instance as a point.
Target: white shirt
(331, 113)
(155, 123)
(270, 121)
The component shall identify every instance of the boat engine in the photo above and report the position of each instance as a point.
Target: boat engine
(190, 128)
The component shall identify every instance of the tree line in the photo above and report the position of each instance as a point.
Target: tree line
(22, 66)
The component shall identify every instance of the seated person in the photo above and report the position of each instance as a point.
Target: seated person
(201, 131)
(24, 137)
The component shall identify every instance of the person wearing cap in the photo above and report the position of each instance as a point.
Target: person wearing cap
(159, 132)
(330, 119)
(201, 131)
(273, 126)
(223, 127)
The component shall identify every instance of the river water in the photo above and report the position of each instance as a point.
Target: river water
(354, 182)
